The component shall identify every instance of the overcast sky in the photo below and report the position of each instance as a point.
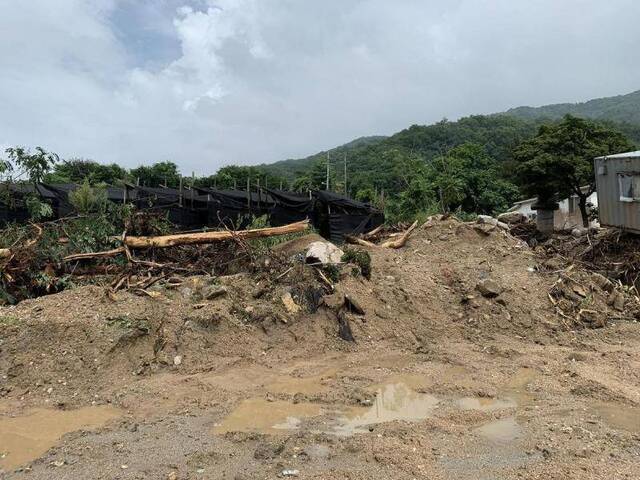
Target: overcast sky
(207, 83)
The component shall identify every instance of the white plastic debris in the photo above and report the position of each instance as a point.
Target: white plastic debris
(323, 252)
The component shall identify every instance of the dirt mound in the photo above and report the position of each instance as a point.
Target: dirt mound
(451, 279)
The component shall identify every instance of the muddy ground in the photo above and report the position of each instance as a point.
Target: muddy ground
(443, 381)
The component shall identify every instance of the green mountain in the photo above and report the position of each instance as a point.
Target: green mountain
(381, 163)
(293, 167)
(620, 109)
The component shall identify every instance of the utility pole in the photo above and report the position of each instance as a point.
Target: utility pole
(345, 174)
(327, 184)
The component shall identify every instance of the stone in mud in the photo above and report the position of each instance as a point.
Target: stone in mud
(268, 451)
(512, 217)
(214, 291)
(488, 288)
(616, 300)
(488, 219)
(335, 301)
(602, 281)
(289, 303)
(353, 304)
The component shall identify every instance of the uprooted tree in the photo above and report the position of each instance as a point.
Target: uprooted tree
(558, 161)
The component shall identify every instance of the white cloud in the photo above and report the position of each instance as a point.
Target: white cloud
(251, 81)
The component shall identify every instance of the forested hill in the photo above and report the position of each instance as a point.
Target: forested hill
(621, 109)
(293, 167)
(376, 160)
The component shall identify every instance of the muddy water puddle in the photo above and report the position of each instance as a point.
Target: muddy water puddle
(394, 400)
(261, 415)
(500, 431)
(485, 404)
(25, 438)
(618, 416)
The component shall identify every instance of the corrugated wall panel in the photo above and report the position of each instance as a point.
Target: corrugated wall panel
(611, 210)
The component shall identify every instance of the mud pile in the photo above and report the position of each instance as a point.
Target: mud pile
(451, 279)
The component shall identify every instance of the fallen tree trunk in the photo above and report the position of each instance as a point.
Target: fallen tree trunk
(211, 237)
(373, 232)
(84, 256)
(359, 241)
(399, 242)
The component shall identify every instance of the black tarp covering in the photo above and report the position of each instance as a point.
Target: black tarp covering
(333, 215)
(13, 207)
(337, 216)
(235, 208)
(186, 209)
(290, 207)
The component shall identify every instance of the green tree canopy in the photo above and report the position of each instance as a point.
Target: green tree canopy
(160, 173)
(79, 170)
(559, 159)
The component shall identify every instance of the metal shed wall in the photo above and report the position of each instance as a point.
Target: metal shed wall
(612, 211)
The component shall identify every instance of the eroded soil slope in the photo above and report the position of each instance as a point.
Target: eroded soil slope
(474, 358)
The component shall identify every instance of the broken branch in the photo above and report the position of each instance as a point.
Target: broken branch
(211, 237)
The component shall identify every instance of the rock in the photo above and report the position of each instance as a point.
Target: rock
(616, 300)
(290, 473)
(324, 253)
(268, 451)
(489, 288)
(512, 217)
(335, 300)
(502, 226)
(487, 219)
(177, 360)
(484, 229)
(352, 304)
(214, 291)
(289, 303)
(579, 232)
(602, 281)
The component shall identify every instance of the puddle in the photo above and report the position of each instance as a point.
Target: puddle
(500, 431)
(260, 415)
(516, 388)
(619, 416)
(25, 438)
(305, 385)
(395, 401)
(485, 404)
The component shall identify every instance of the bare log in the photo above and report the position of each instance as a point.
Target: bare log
(359, 241)
(399, 242)
(92, 255)
(211, 237)
(373, 232)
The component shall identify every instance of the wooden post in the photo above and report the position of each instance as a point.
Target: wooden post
(248, 194)
(327, 183)
(193, 182)
(345, 174)
(180, 193)
(280, 185)
(259, 193)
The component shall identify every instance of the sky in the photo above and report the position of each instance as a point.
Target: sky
(208, 83)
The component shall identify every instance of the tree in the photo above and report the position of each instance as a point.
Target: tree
(559, 160)
(469, 179)
(160, 173)
(23, 163)
(77, 170)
